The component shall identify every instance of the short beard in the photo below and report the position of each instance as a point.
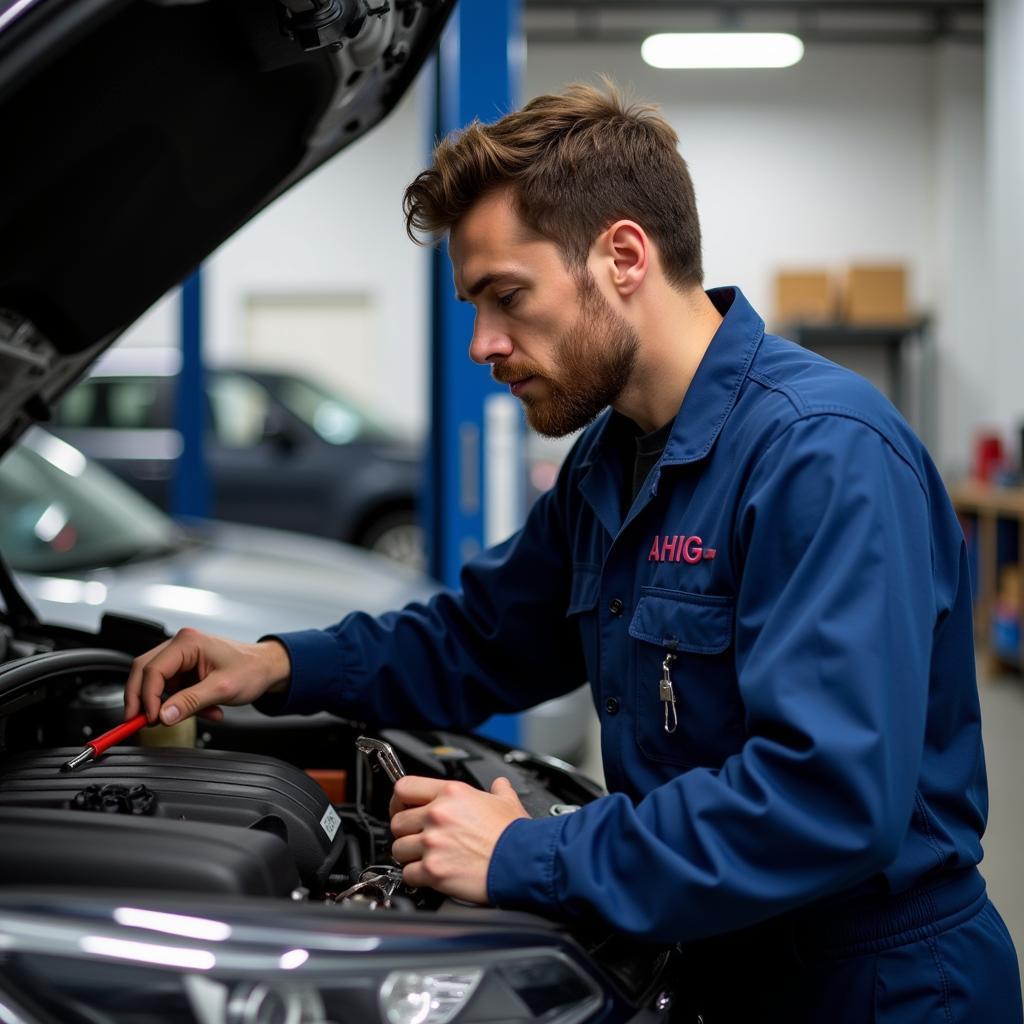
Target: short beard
(594, 360)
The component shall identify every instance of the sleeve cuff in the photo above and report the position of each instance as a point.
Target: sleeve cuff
(521, 875)
(315, 658)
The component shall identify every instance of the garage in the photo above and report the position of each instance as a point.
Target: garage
(511, 510)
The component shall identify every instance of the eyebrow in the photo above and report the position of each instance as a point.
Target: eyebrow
(477, 287)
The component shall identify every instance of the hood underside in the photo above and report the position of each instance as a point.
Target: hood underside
(140, 134)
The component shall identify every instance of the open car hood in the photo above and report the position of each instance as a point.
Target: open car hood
(140, 134)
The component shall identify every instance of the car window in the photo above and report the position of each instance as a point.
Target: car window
(128, 403)
(239, 407)
(80, 407)
(333, 417)
(60, 513)
(131, 404)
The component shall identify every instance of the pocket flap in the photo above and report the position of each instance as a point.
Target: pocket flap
(585, 588)
(698, 623)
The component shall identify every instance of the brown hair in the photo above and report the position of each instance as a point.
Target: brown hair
(576, 161)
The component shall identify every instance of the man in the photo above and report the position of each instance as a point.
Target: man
(752, 560)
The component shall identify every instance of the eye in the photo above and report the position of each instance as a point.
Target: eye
(508, 300)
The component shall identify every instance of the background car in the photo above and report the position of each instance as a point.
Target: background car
(281, 450)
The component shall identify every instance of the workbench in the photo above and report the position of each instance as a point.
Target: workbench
(993, 522)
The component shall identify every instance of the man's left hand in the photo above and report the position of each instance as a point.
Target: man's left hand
(445, 832)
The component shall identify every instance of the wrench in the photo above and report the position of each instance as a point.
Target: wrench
(385, 754)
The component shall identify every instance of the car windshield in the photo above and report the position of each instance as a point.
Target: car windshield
(335, 418)
(61, 513)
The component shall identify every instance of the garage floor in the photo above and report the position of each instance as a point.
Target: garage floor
(1002, 701)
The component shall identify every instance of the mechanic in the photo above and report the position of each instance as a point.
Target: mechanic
(750, 557)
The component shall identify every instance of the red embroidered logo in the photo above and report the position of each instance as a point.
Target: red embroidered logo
(676, 548)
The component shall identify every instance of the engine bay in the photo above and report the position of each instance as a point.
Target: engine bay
(285, 808)
(257, 810)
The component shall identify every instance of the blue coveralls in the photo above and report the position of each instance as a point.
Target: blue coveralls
(810, 829)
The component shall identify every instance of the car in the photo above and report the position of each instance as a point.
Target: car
(243, 877)
(281, 450)
(82, 543)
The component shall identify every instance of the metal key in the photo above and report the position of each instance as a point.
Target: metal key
(385, 754)
(667, 695)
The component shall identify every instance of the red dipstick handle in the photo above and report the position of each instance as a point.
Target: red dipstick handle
(118, 733)
(96, 747)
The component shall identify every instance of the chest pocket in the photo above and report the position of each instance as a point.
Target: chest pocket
(698, 630)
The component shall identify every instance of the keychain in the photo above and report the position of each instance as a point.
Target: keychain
(667, 694)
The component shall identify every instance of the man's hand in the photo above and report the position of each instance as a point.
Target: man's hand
(445, 832)
(201, 672)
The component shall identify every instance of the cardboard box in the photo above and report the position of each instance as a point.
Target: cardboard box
(805, 297)
(876, 295)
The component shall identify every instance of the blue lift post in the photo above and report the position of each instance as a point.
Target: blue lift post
(478, 73)
(190, 495)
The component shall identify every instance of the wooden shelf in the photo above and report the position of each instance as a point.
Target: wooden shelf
(987, 506)
(970, 496)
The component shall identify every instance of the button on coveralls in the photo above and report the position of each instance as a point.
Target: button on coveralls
(809, 832)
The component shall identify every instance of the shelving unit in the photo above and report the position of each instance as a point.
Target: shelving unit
(993, 519)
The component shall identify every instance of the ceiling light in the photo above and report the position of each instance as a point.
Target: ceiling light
(722, 50)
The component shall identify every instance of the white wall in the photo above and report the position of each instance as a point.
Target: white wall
(855, 154)
(959, 287)
(1005, 108)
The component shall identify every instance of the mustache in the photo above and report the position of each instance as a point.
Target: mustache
(506, 373)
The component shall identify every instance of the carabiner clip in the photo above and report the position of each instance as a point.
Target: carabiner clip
(668, 695)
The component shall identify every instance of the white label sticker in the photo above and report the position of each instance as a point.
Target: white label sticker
(330, 822)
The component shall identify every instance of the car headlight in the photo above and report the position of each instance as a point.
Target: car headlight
(180, 973)
(407, 997)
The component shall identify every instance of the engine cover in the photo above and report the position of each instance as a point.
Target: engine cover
(243, 791)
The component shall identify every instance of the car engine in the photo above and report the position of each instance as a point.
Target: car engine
(258, 811)
(268, 807)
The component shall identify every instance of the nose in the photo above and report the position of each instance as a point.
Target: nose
(489, 342)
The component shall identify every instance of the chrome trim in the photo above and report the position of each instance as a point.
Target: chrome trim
(241, 951)
(12, 1013)
(16, 10)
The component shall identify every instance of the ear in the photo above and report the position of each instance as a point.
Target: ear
(624, 252)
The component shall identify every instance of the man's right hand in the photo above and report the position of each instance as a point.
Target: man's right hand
(199, 672)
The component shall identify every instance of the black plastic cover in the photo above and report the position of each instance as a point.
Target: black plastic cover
(58, 847)
(246, 791)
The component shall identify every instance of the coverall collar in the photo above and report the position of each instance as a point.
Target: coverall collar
(708, 402)
(715, 385)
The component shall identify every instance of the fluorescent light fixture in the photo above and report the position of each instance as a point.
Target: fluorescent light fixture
(722, 50)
